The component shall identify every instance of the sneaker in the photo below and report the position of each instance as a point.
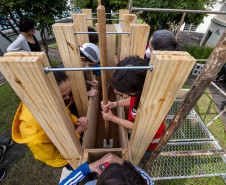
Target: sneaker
(10, 143)
(2, 152)
(2, 173)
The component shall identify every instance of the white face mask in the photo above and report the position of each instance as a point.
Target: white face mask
(148, 53)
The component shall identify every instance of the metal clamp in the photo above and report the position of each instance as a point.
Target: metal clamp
(47, 69)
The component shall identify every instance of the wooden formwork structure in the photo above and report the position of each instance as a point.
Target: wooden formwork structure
(40, 93)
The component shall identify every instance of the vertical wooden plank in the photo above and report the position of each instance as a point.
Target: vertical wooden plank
(111, 48)
(160, 89)
(80, 23)
(121, 13)
(99, 2)
(138, 39)
(125, 39)
(69, 51)
(41, 95)
(103, 58)
(88, 13)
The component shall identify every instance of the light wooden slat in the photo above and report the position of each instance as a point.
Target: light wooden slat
(138, 39)
(111, 47)
(88, 13)
(69, 51)
(80, 23)
(121, 13)
(41, 95)
(103, 58)
(182, 93)
(160, 89)
(89, 139)
(128, 19)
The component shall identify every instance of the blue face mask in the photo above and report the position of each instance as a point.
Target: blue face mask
(148, 53)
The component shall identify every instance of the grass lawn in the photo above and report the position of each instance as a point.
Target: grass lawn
(9, 103)
(55, 46)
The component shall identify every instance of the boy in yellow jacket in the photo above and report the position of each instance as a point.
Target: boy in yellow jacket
(26, 129)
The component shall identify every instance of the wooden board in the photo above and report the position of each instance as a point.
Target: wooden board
(41, 95)
(182, 93)
(80, 23)
(88, 13)
(121, 13)
(160, 89)
(138, 39)
(69, 51)
(89, 140)
(111, 47)
(128, 19)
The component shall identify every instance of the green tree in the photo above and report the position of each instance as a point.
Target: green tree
(160, 20)
(113, 5)
(42, 12)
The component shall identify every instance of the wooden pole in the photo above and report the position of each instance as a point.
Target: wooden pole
(192, 153)
(70, 54)
(128, 19)
(103, 57)
(80, 23)
(171, 69)
(99, 2)
(41, 95)
(210, 70)
(130, 6)
(138, 39)
(181, 22)
(88, 13)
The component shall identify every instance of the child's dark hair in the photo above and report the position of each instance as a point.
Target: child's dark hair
(26, 25)
(164, 40)
(93, 38)
(130, 81)
(60, 76)
(125, 174)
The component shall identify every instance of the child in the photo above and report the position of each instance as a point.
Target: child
(90, 55)
(26, 129)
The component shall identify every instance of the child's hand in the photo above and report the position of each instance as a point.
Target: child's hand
(93, 83)
(110, 158)
(108, 115)
(83, 121)
(92, 92)
(110, 105)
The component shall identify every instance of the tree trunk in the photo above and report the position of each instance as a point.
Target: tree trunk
(44, 41)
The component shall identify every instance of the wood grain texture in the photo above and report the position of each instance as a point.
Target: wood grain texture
(89, 139)
(41, 95)
(111, 47)
(138, 39)
(80, 24)
(182, 93)
(159, 92)
(88, 13)
(128, 19)
(103, 59)
(121, 13)
(69, 51)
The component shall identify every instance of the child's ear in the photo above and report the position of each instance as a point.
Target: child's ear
(83, 59)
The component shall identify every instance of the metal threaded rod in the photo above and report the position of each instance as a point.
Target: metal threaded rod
(107, 13)
(47, 69)
(106, 19)
(135, 9)
(106, 33)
